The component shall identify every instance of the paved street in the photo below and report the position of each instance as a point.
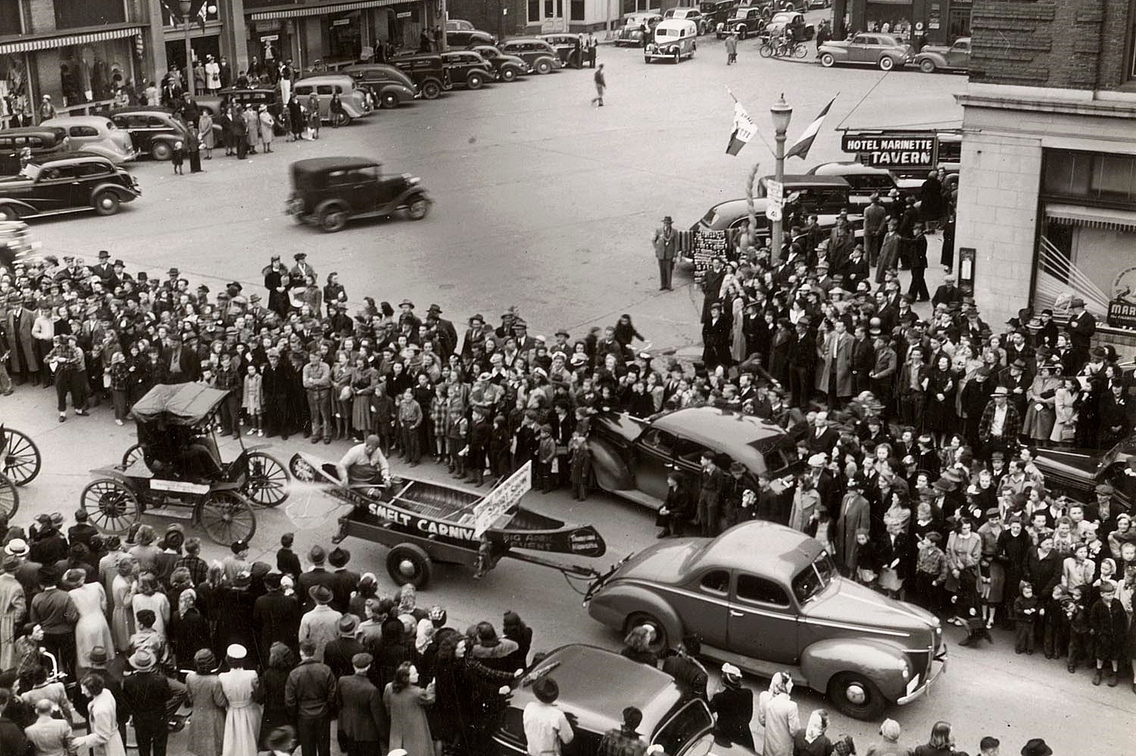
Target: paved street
(545, 203)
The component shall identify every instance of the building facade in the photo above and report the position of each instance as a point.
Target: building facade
(1048, 199)
(509, 18)
(937, 22)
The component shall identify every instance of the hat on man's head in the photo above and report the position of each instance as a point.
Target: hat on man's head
(338, 557)
(142, 660)
(668, 219)
(300, 256)
(1104, 489)
(1036, 747)
(98, 655)
(1001, 391)
(17, 547)
(362, 660)
(104, 255)
(1076, 302)
(546, 690)
(320, 594)
(347, 624)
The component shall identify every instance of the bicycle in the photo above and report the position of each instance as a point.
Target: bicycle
(771, 49)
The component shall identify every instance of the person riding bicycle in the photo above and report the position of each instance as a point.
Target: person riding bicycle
(785, 42)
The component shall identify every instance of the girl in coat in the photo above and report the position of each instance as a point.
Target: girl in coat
(405, 702)
(1108, 622)
(204, 693)
(252, 400)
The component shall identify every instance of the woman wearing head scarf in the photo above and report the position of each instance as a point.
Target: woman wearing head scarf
(241, 687)
(425, 648)
(203, 689)
(778, 714)
(733, 705)
(189, 628)
(812, 741)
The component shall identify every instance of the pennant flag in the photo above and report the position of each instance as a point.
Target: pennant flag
(801, 147)
(744, 129)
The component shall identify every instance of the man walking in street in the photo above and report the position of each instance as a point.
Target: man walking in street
(601, 85)
(731, 48)
(666, 246)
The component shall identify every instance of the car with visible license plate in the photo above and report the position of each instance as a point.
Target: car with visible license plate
(329, 191)
(934, 58)
(505, 67)
(389, 86)
(594, 686)
(66, 184)
(874, 49)
(540, 56)
(631, 33)
(767, 598)
(96, 135)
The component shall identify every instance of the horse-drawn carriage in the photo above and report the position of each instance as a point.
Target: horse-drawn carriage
(176, 470)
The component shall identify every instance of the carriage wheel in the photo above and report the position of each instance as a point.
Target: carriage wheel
(268, 481)
(227, 517)
(302, 469)
(112, 507)
(132, 454)
(9, 497)
(21, 458)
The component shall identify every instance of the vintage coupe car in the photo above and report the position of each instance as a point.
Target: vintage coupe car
(687, 13)
(66, 184)
(794, 20)
(746, 21)
(631, 33)
(715, 12)
(595, 684)
(96, 135)
(429, 73)
(40, 142)
(459, 24)
(538, 54)
(939, 57)
(466, 38)
(468, 69)
(632, 457)
(765, 597)
(505, 67)
(883, 50)
(1077, 472)
(327, 192)
(389, 86)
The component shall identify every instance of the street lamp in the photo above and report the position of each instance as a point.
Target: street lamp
(186, 8)
(782, 114)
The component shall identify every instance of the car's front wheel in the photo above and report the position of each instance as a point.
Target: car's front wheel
(106, 202)
(659, 641)
(508, 74)
(431, 90)
(474, 81)
(742, 32)
(927, 66)
(856, 696)
(543, 67)
(677, 57)
(827, 60)
(887, 63)
(417, 208)
(342, 119)
(389, 100)
(160, 151)
(333, 219)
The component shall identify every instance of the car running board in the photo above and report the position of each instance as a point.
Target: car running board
(753, 666)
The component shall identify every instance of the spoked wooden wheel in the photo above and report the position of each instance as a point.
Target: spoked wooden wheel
(227, 517)
(20, 457)
(268, 481)
(131, 455)
(9, 497)
(112, 507)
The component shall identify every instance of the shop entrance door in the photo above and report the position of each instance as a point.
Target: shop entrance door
(958, 24)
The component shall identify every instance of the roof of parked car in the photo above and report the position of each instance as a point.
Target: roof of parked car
(736, 433)
(321, 164)
(762, 548)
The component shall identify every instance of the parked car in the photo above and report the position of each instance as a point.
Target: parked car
(389, 86)
(594, 686)
(565, 46)
(794, 20)
(631, 33)
(746, 21)
(468, 69)
(765, 597)
(505, 67)
(96, 135)
(811, 4)
(154, 131)
(39, 141)
(863, 180)
(674, 40)
(940, 57)
(540, 55)
(1077, 472)
(458, 24)
(428, 72)
(466, 38)
(356, 103)
(687, 13)
(327, 192)
(883, 50)
(716, 12)
(66, 184)
(631, 457)
(255, 97)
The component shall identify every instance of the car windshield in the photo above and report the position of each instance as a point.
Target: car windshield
(31, 170)
(814, 578)
(782, 18)
(710, 218)
(690, 722)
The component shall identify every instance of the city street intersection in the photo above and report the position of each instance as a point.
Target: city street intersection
(548, 204)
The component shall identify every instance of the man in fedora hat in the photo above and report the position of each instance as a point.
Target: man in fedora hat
(321, 624)
(666, 249)
(546, 727)
(337, 655)
(1000, 423)
(1081, 327)
(147, 695)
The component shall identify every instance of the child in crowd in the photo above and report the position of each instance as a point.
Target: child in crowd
(1077, 615)
(867, 559)
(930, 572)
(1025, 617)
(119, 386)
(286, 560)
(1108, 622)
(580, 459)
(252, 400)
(546, 460)
(968, 606)
(499, 443)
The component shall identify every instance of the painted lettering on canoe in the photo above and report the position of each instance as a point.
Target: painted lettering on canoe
(408, 522)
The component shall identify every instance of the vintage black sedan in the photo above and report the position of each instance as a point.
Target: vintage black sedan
(69, 183)
(632, 457)
(506, 67)
(327, 192)
(1077, 472)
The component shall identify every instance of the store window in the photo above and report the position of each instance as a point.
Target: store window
(209, 12)
(534, 12)
(92, 72)
(1092, 176)
(15, 108)
(553, 8)
(10, 19)
(88, 13)
(577, 10)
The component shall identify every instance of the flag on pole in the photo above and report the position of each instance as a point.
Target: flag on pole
(801, 147)
(744, 128)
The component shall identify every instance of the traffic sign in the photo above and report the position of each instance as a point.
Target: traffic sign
(773, 212)
(775, 191)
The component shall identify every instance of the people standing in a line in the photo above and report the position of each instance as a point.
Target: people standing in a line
(666, 250)
(601, 85)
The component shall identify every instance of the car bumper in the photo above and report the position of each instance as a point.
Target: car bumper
(938, 667)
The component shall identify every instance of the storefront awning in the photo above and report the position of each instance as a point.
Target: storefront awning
(320, 10)
(50, 40)
(1093, 217)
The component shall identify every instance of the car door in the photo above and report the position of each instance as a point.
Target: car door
(363, 185)
(88, 175)
(703, 604)
(54, 187)
(860, 49)
(762, 621)
(959, 54)
(654, 457)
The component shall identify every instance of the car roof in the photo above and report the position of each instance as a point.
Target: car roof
(76, 120)
(71, 157)
(595, 684)
(335, 78)
(743, 437)
(18, 130)
(846, 168)
(244, 90)
(763, 548)
(321, 164)
(524, 39)
(806, 180)
(675, 23)
(142, 109)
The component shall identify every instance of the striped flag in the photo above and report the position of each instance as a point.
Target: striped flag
(801, 147)
(744, 128)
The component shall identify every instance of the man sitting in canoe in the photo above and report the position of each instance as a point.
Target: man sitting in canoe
(364, 463)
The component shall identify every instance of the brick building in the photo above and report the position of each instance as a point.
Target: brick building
(1048, 204)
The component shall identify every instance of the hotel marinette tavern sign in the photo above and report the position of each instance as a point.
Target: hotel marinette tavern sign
(897, 150)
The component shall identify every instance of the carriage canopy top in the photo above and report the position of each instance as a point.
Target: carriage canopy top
(177, 404)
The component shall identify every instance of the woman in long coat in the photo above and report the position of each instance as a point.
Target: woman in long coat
(203, 689)
(939, 414)
(267, 125)
(1066, 408)
(295, 117)
(122, 616)
(13, 607)
(1041, 398)
(242, 722)
(91, 630)
(405, 702)
(205, 133)
(363, 382)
